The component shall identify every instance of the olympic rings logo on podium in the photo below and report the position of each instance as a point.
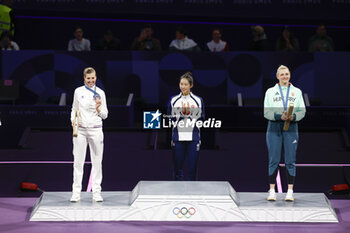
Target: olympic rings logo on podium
(184, 212)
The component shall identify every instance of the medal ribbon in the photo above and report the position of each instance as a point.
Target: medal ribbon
(284, 101)
(93, 91)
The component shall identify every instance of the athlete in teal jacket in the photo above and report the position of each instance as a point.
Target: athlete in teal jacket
(277, 100)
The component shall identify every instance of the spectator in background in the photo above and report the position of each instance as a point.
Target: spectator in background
(6, 43)
(79, 43)
(7, 17)
(320, 42)
(287, 41)
(109, 42)
(217, 45)
(182, 42)
(259, 42)
(145, 41)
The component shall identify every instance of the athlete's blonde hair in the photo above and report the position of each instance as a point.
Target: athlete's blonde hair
(281, 67)
(89, 70)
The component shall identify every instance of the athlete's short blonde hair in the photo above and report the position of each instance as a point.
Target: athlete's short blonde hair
(281, 67)
(89, 70)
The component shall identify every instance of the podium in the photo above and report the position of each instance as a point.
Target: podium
(184, 201)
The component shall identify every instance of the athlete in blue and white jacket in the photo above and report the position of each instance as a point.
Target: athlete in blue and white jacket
(185, 111)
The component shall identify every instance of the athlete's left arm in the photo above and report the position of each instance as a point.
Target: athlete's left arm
(201, 113)
(171, 112)
(299, 108)
(203, 110)
(103, 108)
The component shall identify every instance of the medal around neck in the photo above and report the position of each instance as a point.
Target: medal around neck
(96, 95)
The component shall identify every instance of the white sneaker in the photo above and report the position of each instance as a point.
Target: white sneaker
(289, 196)
(97, 197)
(75, 197)
(272, 195)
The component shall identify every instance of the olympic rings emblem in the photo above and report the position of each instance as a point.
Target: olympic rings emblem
(184, 212)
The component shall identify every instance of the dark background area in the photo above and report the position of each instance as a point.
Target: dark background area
(45, 25)
(54, 33)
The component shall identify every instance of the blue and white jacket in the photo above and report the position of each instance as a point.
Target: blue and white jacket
(184, 125)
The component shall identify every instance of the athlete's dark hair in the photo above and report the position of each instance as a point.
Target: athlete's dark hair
(188, 76)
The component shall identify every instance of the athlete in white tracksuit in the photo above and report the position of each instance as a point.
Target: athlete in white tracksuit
(276, 103)
(90, 102)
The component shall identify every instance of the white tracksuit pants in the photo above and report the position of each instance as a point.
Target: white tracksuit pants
(94, 138)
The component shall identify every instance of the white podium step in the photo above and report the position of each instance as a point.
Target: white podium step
(307, 207)
(183, 201)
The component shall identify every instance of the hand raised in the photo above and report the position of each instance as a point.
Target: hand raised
(185, 109)
(98, 104)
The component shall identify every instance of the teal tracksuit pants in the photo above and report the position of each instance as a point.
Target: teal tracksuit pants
(276, 139)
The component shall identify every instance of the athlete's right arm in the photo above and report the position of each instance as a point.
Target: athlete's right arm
(268, 110)
(170, 112)
(74, 107)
